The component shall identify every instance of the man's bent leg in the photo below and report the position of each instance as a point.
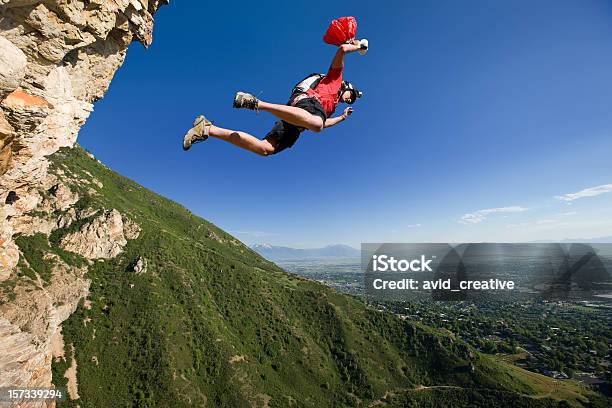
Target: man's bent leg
(243, 140)
(294, 115)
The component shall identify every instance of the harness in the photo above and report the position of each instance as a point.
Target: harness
(310, 82)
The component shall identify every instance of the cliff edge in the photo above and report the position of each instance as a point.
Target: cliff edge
(57, 57)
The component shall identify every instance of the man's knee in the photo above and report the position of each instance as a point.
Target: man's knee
(265, 151)
(316, 124)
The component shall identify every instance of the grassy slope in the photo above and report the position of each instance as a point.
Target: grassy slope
(169, 339)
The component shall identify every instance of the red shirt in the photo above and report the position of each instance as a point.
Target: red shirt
(326, 91)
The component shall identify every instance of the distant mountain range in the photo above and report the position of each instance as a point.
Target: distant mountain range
(283, 253)
(273, 252)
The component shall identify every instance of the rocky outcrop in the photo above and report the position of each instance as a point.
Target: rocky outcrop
(103, 237)
(57, 209)
(56, 58)
(29, 323)
(140, 266)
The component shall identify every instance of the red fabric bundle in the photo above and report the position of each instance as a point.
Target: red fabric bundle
(341, 30)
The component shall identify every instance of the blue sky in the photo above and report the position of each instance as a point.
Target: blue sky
(478, 117)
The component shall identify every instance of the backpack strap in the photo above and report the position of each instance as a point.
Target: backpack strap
(309, 82)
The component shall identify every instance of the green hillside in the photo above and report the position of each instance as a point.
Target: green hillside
(211, 323)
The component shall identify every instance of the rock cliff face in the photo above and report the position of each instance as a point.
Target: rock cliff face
(103, 237)
(56, 58)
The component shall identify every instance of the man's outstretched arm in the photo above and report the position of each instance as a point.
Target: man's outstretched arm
(338, 61)
(340, 118)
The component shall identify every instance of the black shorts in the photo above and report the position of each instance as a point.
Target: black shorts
(284, 135)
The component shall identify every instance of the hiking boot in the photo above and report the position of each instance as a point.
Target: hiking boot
(243, 100)
(198, 133)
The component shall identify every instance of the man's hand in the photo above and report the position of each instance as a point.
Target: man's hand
(351, 46)
(337, 119)
(347, 112)
(348, 47)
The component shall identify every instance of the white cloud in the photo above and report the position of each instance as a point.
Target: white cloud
(587, 192)
(413, 225)
(481, 215)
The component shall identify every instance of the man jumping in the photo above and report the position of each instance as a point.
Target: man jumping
(307, 109)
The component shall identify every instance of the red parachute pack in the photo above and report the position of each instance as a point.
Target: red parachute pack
(341, 30)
